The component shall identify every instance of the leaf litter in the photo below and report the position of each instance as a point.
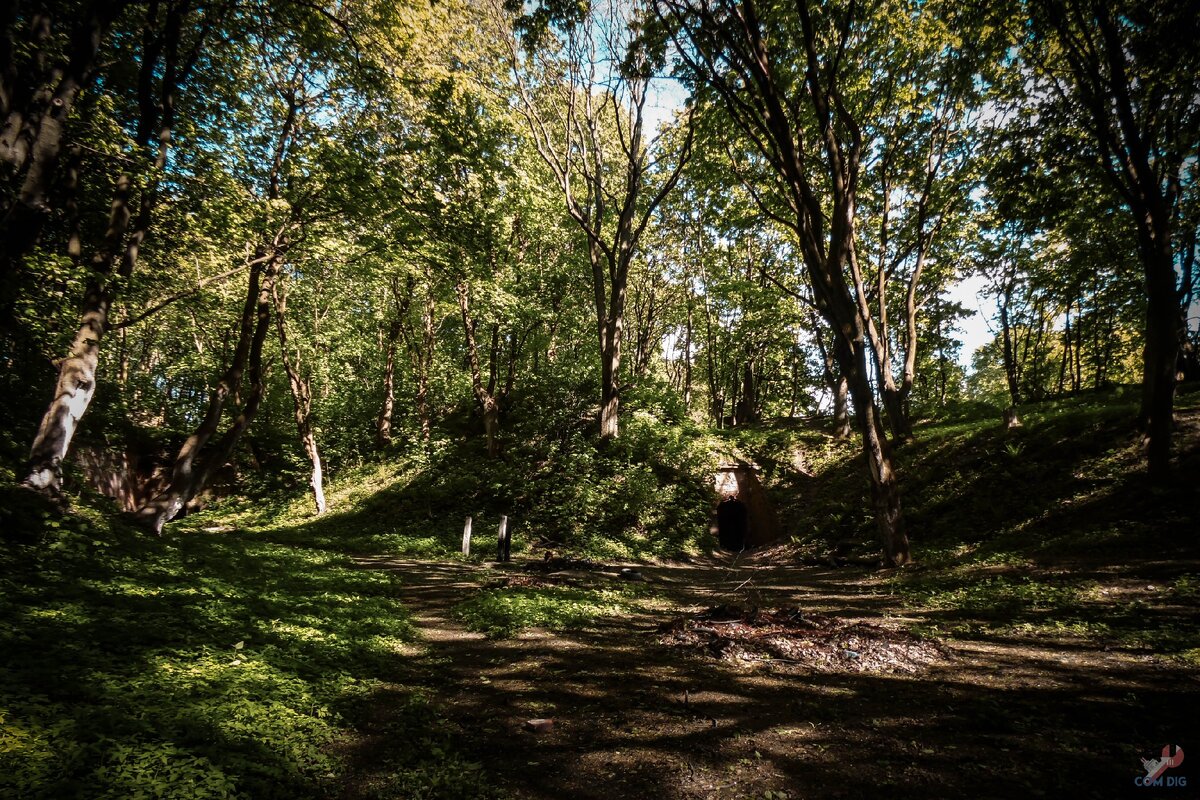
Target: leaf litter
(790, 636)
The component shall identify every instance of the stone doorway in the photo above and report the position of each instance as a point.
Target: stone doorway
(743, 518)
(732, 525)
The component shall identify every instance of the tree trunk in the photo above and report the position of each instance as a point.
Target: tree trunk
(898, 405)
(1011, 367)
(1161, 354)
(1066, 352)
(194, 465)
(611, 274)
(841, 409)
(835, 381)
(72, 394)
(824, 230)
(491, 425)
(483, 394)
(19, 97)
(687, 353)
(33, 137)
(896, 411)
(426, 358)
(610, 322)
(420, 350)
(885, 492)
(748, 406)
(317, 480)
(301, 389)
(795, 389)
(383, 424)
(610, 364)
(76, 383)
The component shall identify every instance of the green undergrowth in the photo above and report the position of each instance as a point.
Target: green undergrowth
(504, 612)
(245, 654)
(1150, 617)
(199, 665)
(1048, 530)
(644, 496)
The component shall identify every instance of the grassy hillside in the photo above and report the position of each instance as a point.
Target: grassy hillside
(1047, 530)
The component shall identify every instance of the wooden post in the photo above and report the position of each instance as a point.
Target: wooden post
(503, 543)
(466, 546)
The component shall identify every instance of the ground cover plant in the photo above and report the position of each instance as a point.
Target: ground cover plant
(209, 664)
(261, 651)
(504, 611)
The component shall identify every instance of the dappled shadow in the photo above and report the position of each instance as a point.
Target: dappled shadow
(123, 656)
(635, 719)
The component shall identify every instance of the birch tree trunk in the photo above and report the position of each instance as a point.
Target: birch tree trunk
(123, 237)
(301, 389)
(76, 384)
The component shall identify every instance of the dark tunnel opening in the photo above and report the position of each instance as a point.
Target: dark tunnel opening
(732, 525)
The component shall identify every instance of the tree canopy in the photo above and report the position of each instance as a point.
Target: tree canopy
(302, 235)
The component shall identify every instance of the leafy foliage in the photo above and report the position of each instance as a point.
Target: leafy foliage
(504, 612)
(214, 664)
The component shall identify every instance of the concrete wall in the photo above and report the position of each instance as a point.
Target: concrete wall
(740, 482)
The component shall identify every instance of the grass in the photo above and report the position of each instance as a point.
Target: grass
(504, 612)
(200, 665)
(241, 654)
(645, 496)
(245, 655)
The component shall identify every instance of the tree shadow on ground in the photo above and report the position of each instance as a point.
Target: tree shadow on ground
(202, 661)
(635, 719)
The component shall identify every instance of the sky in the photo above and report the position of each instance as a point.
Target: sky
(974, 331)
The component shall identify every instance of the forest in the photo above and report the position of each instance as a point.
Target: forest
(597, 398)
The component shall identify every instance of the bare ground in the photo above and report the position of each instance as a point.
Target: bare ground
(635, 718)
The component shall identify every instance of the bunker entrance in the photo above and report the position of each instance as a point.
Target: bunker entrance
(733, 523)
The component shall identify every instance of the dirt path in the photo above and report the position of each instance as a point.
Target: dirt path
(1003, 719)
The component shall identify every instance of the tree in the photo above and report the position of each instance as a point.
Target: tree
(291, 196)
(300, 384)
(167, 60)
(1131, 73)
(584, 99)
(918, 185)
(790, 95)
(39, 86)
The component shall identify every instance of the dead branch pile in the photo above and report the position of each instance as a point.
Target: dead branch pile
(791, 636)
